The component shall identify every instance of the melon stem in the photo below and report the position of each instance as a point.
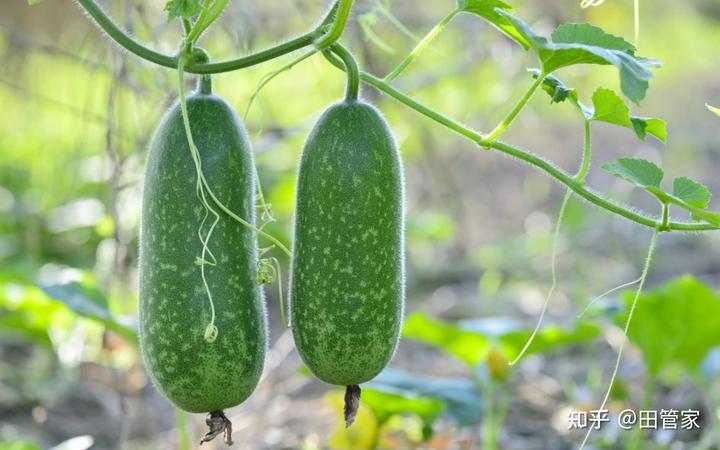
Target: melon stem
(352, 403)
(218, 423)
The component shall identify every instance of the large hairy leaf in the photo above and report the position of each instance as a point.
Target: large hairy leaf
(573, 44)
(678, 323)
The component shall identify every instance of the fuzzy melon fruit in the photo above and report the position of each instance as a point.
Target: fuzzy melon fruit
(194, 374)
(347, 281)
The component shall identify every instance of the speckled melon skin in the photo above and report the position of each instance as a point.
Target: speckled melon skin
(347, 287)
(193, 374)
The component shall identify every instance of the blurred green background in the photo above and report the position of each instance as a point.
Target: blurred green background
(78, 114)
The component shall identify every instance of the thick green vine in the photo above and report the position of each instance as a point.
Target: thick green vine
(172, 62)
(351, 68)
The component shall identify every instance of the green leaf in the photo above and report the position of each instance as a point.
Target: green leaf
(687, 194)
(471, 341)
(31, 3)
(82, 299)
(640, 172)
(387, 402)
(586, 34)
(548, 339)
(713, 109)
(512, 338)
(677, 324)
(464, 403)
(573, 44)
(609, 107)
(183, 8)
(208, 16)
(555, 88)
(26, 311)
(19, 445)
(488, 10)
(649, 125)
(24, 323)
(469, 347)
(89, 302)
(691, 192)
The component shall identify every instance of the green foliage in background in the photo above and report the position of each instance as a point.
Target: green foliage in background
(676, 324)
(471, 341)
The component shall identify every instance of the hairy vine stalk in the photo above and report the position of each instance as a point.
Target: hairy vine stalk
(352, 70)
(133, 46)
(338, 25)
